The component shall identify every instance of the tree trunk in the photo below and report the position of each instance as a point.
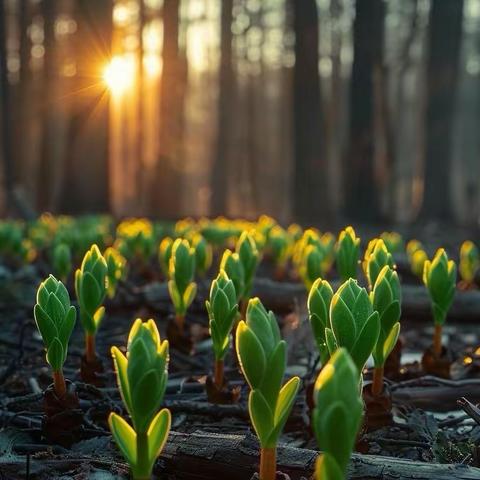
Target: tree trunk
(361, 184)
(85, 178)
(311, 196)
(444, 37)
(218, 182)
(165, 188)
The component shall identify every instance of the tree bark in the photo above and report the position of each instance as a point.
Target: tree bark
(218, 178)
(6, 134)
(444, 37)
(361, 183)
(202, 456)
(165, 188)
(311, 195)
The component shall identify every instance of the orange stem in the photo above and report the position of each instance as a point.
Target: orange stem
(219, 374)
(90, 354)
(437, 341)
(59, 384)
(243, 308)
(377, 385)
(268, 463)
(180, 320)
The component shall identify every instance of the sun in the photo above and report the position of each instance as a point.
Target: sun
(119, 75)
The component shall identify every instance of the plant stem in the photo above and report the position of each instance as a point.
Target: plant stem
(90, 354)
(243, 308)
(218, 373)
(180, 321)
(377, 385)
(437, 341)
(142, 470)
(268, 463)
(59, 383)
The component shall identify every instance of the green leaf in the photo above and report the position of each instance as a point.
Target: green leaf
(66, 328)
(121, 364)
(125, 437)
(146, 398)
(175, 296)
(55, 309)
(158, 433)
(326, 468)
(366, 341)
(250, 355)
(98, 317)
(276, 369)
(342, 323)
(261, 415)
(391, 340)
(189, 294)
(55, 355)
(330, 341)
(45, 326)
(90, 293)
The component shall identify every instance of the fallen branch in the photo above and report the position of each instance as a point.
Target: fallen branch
(202, 456)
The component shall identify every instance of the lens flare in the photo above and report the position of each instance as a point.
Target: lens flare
(119, 75)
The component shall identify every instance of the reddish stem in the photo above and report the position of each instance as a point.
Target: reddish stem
(268, 463)
(180, 321)
(59, 384)
(437, 341)
(90, 353)
(218, 374)
(377, 385)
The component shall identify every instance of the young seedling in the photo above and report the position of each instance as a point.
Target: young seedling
(416, 257)
(90, 288)
(337, 416)
(55, 319)
(62, 261)
(311, 267)
(249, 257)
(222, 310)
(164, 254)
(469, 262)
(233, 267)
(439, 276)
(318, 303)
(353, 323)
(181, 286)
(393, 241)
(376, 257)
(262, 357)
(386, 299)
(142, 379)
(347, 254)
(279, 244)
(116, 269)
(203, 254)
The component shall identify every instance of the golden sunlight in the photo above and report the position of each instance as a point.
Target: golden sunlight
(119, 74)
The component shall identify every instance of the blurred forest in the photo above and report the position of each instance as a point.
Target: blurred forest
(311, 111)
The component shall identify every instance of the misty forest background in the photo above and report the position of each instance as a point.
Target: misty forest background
(320, 111)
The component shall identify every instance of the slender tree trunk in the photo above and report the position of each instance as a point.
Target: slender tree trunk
(445, 36)
(311, 197)
(140, 108)
(218, 182)
(165, 188)
(46, 167)
(361, 185)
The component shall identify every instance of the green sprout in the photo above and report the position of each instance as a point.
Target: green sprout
(353, 323)
(181, 286)
(376, 257)
(222, 310)
(55, 319)
(262, 357)
(203, 254)
(469, 262)
(90, 288)
(416, 257)
(311, 267)
(234, 269)
(393, 241)
(318, 304)
(142, 380)
(337, 415)
(62, 261)
(439, 276)
(164, 254)
(386, 300)
(279, 244)
(116, 269)
(249, 257)
(347, 254)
